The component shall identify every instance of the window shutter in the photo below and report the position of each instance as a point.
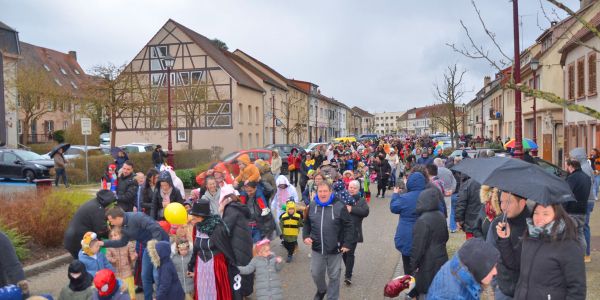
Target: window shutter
(592, 73)
(580, 78)
(571, 78)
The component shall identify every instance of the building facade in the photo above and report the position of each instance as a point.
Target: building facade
(388, 122)
(9, 55)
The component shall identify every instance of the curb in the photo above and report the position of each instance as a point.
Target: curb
(46, 265)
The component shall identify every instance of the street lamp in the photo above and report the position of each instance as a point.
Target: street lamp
(534, 64)
(518, 153)
(168, 62)
(273, 112)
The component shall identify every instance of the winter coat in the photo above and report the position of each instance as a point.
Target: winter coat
(330, 227)
(266, 179)
(11, 271)
(168, 286)
(88, 217)
(276, 165)
(266, 224)
(359, 211)
(383, 170)
(250, 172)
(579, 154)
(425, 160)
(448, 179)
(126, 192)
(580, 185)
(430, 235)
(267, 282)
(213, 200)
(59, 161)
(508, 271)
(294, 160)
(67, 294)
(122, 260)
(181, 266)
(405, 205)
(158, 157)
(93, 265)
(236, 216)
(468, 205)
(139, 227)
(175, 195)
(549, 269)
(454, 282)
(147, 194)
(177, 182)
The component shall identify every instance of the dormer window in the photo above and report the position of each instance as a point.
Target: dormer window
(63, 71)
(57, 81)
(74, 85)
(46, 67)
(76, 71)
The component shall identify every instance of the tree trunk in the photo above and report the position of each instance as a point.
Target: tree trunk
(113, 127)
(25, 130)
(190, 137)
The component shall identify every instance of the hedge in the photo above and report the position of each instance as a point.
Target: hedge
(186, 159)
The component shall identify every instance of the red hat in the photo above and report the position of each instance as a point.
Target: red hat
(105, 282)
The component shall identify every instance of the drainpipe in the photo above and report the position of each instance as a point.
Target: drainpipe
(264, 118)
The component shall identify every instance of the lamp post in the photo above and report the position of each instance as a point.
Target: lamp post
(534, 65)
(518, 153)
(273, 112)
(168, 62)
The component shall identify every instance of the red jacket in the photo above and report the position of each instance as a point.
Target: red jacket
(295, 160)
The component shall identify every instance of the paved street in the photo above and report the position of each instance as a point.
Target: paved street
(376, 260)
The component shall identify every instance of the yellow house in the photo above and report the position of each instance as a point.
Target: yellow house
(214, 101)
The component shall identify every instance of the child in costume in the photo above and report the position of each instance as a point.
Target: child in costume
(290, 223)
(181, 258)
(265, 267)
(123, 259)
(90, 254)
(109, 179)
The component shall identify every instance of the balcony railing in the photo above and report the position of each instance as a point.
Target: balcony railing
(36, 139)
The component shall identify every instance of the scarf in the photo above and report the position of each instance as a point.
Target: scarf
(209, 224)
(166, 195)
(546, 230)
(310, 163)
(340, 191)
(327, 203)
(489, 211)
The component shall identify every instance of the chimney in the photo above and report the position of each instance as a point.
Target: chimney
(73, 54)
(486, 80)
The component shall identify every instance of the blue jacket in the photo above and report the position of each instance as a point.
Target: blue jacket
(137, 226)
(405, 205)
(454, 281)
(93, 265)
(168, 286)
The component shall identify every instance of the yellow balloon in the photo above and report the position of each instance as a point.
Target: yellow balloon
(176, 214)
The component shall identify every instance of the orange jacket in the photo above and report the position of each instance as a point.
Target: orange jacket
(250, 172)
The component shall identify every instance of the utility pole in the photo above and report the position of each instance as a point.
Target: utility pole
(518, 151)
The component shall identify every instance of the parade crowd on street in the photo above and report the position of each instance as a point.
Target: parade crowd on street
(518, 244)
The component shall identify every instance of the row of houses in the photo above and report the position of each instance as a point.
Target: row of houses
(563, 61)
(218, 97)
(426, 120)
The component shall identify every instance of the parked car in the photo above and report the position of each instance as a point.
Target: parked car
(551, 168)
(138, 147)
(77, 151)
(105, 138)
(230, 160)
(311, 146)
(368, 137)
(23, 164)
(284, 152)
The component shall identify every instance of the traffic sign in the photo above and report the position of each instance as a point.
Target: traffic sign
(86, 126)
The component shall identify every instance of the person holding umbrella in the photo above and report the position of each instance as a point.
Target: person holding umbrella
(550, 263)
(60, 163)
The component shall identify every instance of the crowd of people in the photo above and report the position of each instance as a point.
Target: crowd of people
(224, 251)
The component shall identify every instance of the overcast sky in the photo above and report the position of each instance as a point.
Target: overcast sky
(378, 55)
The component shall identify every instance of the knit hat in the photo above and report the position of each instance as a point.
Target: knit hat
(479, 257)
(105, 282)
(88, 237)
(227, 190)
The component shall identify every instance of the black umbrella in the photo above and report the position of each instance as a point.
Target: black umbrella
(114, 152)
(518, 177)
(65, 147)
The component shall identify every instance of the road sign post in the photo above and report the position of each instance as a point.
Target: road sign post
(86, 129)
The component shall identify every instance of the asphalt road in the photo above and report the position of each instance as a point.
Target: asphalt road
(376, 261)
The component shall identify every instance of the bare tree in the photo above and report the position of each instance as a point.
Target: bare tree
(37, 96)
(294, 115)
(449, 93)
(192, 101)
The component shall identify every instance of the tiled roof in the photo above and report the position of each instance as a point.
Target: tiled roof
(581, 35)
(6, 27)
(281, 77)
(61, 67)
(265, 78)
(361, 112)
(222, 60)
(303, 85)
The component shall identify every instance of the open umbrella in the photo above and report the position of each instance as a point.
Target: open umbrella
(527, 144)
(65, 147)
(114, 152)
(517, 177)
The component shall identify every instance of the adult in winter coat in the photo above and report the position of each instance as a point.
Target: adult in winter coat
(383, 169)
(177, 182)
(405, 205)
(581, 185)
(262, 223)
(212, 195)
(516, 211)
(551, 263)
(468, 206)
(490, 208)
(430, 235)
(60, 167)
(266, 178)
(587, 168)
(462, 276)
(11, 270)
(308, 163)
(358, 209)
(329, 231)
(158, 157)
(88, 217)
(236, 216)
(126, 187)
(148, 192)
(165, 194)
(276, 164)
(294, 162)
(168, 286)
(136, 227)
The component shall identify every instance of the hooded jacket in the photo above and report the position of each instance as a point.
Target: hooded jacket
(126, 192)
(93, 265)
(405, 205)
(168, 285)
(580, 185)
(430, 235)
(88, 217)
(265, 269)
(175, 195)
(277, 202)
(181, 266)
(250, 172)
(139, 227)
(579, 154)
(236, 216)
(360, 210)
(454, 282)
(330, 227)
(468, 205)
(11, 271)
